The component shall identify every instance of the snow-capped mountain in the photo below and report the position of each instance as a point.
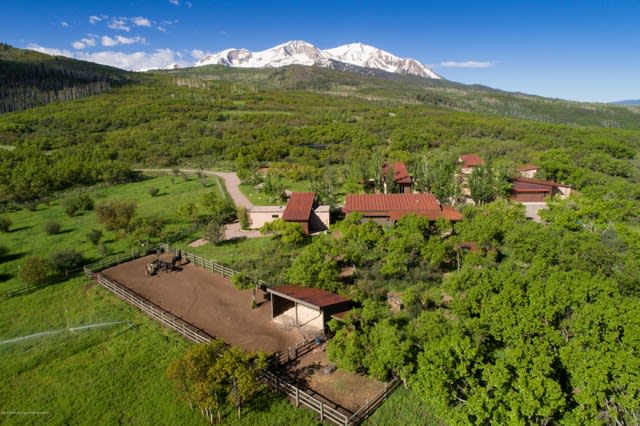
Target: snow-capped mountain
(302, 53)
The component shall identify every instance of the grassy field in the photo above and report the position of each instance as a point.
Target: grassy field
(27, 236)
(72, 353)
(260, 199)
(404, 407)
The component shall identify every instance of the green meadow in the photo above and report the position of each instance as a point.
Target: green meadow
(71, 352)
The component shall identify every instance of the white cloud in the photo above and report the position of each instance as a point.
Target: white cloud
(176, 2)
(109, 41)
(84, 42)
(161, 29)
(467, 64)
(197, 53)
(157, 59)
(49, 50)
(93, 19)
(64, 24)
(141, 21)
(119, 24)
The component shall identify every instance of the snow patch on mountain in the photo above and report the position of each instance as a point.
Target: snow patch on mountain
(300, 52)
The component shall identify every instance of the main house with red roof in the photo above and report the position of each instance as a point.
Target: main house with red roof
(385, 208)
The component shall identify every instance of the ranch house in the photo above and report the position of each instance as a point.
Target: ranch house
(388, 208)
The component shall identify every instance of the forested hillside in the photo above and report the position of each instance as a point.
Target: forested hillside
(29, 79)
(166, 122)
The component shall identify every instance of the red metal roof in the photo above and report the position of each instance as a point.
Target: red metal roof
(471, 160)
(299, 207)
(310, 296)
(400, 173)
(390, 202)
(396, 206)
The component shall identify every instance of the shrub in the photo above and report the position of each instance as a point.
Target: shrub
(94, 236)
(243, 281)
(243, 217)
(70, 206)
(103, 250)
(34, 271)
(51, 227)
(4, 250)
(66, 260)
(214, 232)
(153, 191)
(77, 203)
(32, 206)
(5, 224)
(116, 214)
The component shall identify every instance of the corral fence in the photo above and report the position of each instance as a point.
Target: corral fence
(209, 264)
(279, 383)
(326, 411)
(152, 310)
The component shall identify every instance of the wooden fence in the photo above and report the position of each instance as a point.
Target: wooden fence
(300, 397)
(210, 264)
(279, 383)
(327, 412)
(154, 311)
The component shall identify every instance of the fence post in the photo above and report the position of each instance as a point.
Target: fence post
(321, 411)
(297, 397)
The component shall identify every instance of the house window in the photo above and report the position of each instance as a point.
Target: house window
(275, 216)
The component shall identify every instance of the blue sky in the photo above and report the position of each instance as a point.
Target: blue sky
(581, 50)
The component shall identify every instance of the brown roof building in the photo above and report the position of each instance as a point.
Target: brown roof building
(400, 176)
(392, 207)
(526, 190)
(469, 161)
(305, 307)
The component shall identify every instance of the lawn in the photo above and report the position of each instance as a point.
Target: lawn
(404, 407)
(229, 251)
(113, 371)
(260, 199)
(27, 236)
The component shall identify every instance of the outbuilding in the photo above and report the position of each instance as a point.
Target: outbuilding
(304, 307)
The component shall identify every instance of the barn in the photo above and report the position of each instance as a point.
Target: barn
(306, 307)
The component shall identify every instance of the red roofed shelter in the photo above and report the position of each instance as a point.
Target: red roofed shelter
(306, 307)
(391, 207)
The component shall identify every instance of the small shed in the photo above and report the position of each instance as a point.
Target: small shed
(305, 307)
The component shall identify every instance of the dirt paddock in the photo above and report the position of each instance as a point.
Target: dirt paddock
(208, 301)
(211, 303)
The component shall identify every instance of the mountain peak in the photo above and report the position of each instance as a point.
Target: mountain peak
(300, 52)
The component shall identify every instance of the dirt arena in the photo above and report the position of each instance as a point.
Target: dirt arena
(211, 303)
(208, 301)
